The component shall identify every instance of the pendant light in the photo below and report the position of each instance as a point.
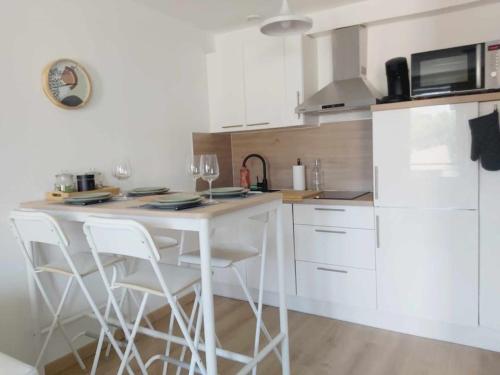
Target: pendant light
(286, 23)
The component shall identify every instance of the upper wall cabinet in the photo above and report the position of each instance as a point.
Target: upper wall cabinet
(226, 89)
(256, 81)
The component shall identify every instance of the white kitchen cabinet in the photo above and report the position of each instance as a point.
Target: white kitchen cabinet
(335, 246)
(226, 90)
(301, 78)
(334, 216)
(271, 279)
(255, 82)
(427, 263)
(489, 229)
(422, 157)
(344, 285)
(250, 232)
(264, 62)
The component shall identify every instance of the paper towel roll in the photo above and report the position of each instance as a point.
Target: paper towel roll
(299, 177)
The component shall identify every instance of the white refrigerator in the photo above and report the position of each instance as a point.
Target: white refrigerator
(426, 206)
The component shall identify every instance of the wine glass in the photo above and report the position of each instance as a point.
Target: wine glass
(122, 171)
(209, 171)
(194, 167)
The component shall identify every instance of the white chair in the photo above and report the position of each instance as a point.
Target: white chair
(32, 227)
(12, 366)
(226, 256)
(131, 239)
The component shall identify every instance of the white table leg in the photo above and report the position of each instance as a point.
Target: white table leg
(207, 297)
(285, 357)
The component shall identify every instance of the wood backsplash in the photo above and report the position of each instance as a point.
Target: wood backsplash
(345, 151)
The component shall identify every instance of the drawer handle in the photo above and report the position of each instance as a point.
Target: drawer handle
(330, 231)
(330, 270)
(259, 123)
(232, 126)
(330, 209)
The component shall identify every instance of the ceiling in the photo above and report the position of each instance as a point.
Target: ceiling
(225, 15)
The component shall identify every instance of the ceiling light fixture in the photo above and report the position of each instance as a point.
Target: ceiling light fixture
(286, 23)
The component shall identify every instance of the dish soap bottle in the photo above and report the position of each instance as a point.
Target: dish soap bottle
(316, 175)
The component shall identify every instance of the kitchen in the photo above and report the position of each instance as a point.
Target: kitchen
(417, 257)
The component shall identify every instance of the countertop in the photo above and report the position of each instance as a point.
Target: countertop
(365, 200)
(486, 97)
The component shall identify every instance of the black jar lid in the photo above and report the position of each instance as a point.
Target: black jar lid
(87, 176)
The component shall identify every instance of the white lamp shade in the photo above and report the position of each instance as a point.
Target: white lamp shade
(286, 25)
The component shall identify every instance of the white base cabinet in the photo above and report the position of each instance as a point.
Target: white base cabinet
(250, 232)
(427, 264)
(344, 285)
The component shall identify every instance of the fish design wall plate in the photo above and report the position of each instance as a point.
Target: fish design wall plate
(67, 84)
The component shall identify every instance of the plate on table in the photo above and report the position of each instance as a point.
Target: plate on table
(232, 192)
(143, 191)
(89, 198)
(175, 205)
(179, 198)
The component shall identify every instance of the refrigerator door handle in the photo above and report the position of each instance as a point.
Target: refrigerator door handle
(377, 230)
(375, 176)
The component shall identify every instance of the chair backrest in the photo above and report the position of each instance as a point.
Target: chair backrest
(120, 237)
(35, 226)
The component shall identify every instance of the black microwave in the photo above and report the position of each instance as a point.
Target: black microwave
(457, 70)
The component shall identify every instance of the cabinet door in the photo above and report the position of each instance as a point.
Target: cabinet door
(422, 157)
(226, 86)
(301, 78)
(264, 82)
(271, 278)
(427, 264)
(489, 218)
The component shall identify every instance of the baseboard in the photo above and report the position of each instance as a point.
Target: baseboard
(67, 361)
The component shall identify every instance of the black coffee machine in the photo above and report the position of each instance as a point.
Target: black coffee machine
(398, 81)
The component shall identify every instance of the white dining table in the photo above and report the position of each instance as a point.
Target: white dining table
(202, 220)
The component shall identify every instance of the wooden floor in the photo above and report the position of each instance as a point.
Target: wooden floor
(321, 346)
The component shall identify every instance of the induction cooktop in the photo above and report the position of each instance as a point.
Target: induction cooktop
(344, 195)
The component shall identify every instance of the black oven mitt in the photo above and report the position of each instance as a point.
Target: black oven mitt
(486, 141)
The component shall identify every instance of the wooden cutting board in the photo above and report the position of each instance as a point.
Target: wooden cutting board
(298, 195)
(60, 196)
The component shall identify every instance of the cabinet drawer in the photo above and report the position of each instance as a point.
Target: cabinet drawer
(335, 216)
(344, 285)
(336, 246)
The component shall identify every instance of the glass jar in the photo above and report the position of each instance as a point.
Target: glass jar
(65, 182)
(316, 175)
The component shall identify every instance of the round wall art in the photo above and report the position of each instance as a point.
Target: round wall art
(67, 84)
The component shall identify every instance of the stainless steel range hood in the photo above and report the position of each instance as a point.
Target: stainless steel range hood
(349, 89)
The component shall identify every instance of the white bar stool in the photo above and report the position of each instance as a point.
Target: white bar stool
(227, 255)
(12, 366)
(31, 227)
(131, 239)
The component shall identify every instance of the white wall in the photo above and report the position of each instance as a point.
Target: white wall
(148, 72)
(407, 36)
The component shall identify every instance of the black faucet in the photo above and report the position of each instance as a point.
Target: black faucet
(262, 186)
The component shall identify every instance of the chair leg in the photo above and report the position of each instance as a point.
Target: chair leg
(57, 313)
(254, 309)
(197, 334)
(190, 325)
(101, 341)
(120, 304)
(131, 338)
(167, 349)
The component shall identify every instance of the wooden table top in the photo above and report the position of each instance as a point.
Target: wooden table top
(132, 207)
